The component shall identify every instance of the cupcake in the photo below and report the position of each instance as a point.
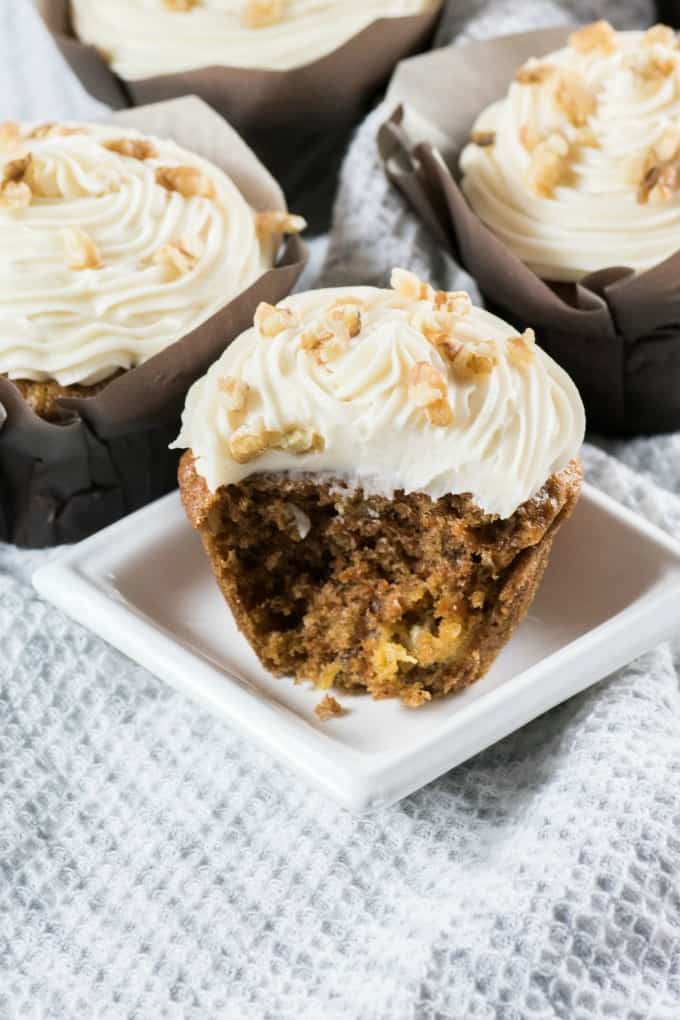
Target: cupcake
(275, 70)
(562, 199)
(377, 477)
(577, 168)
(142, 39)
(116, 245)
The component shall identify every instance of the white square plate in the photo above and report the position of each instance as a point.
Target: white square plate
(611, 592)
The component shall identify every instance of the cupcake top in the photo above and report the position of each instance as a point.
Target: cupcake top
(578, 167)
(114, 246)
(404, 389)
(143, 38)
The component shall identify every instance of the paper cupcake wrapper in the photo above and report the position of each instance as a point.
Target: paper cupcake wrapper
(109, 456)
(615, 332)
(319, 100)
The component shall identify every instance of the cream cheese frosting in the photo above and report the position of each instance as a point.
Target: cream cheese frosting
(143, 38)
(114, 246)
(576, 169)
(403, 389)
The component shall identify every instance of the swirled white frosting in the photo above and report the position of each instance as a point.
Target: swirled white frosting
(509, 430)
(143, 38)
(80, 326)
(594, 218)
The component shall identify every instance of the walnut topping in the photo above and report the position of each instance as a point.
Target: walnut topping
(10, 134)
(328, 708)
(236, 394)
(272, 320)
(662, 35)
(529, 137)
(549, 165)
(573, 96)
(278, 222)
(599, 35)
(81, 250)
(345, 319)
(260, 13)
(177, 258)
(189, 181)
(483, 138)
(408, 285)
(52, 130)
(134, 148)
(658, 177)
(181, 5)
(522, 348)
(475, 361)
(297, 439)
(534, 73)
(428, 389)
(652, 66)
(15, 191)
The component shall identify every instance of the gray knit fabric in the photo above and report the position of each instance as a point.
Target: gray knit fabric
(152, 865)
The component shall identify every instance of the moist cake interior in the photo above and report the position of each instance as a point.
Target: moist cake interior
(407, 597)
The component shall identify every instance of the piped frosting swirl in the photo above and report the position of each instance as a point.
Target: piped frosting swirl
(114, 246)
(143, 38)
(578, 167)
(403, 389)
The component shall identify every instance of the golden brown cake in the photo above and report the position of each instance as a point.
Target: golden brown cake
(377, 478)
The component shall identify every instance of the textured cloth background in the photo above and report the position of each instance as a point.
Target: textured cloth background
(154, 866)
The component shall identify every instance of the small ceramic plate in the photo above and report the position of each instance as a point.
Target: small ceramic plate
(611, 592)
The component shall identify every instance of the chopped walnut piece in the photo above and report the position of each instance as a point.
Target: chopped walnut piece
(345, 320)
(573, 96)
(246, 446)
(189, 181)
(428, 390)
(181, 5)
(662, 35)
(134, 148)
(534, 73)
(278, 222)
(177, 258)
(522, 348)
(328, 708)
(408, 285)
(415, 696)
(599, 35)
(549, 165)
(658, 174)
(272, 320)
(53, 130)
(260, 13)
(10, 134)
(236, 393)
(81, 250)
(15, 191)
(456, 303)
(475, 361)
(653, 65)
(483, 138)
(446, 345)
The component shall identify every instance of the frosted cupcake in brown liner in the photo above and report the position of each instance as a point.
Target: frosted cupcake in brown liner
(116, 246)
(575, 170)
(377, 477)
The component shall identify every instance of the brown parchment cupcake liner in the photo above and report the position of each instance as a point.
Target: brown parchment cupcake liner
(617, 333)
(109, 454)
(318, 100)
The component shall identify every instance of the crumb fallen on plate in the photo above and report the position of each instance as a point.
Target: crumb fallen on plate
(329, 707)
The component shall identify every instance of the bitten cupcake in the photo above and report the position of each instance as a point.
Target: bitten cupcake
(116, 245)
(377, 477)
(577, 168)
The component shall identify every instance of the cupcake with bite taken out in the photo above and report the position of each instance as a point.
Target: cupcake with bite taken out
(377, 477)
